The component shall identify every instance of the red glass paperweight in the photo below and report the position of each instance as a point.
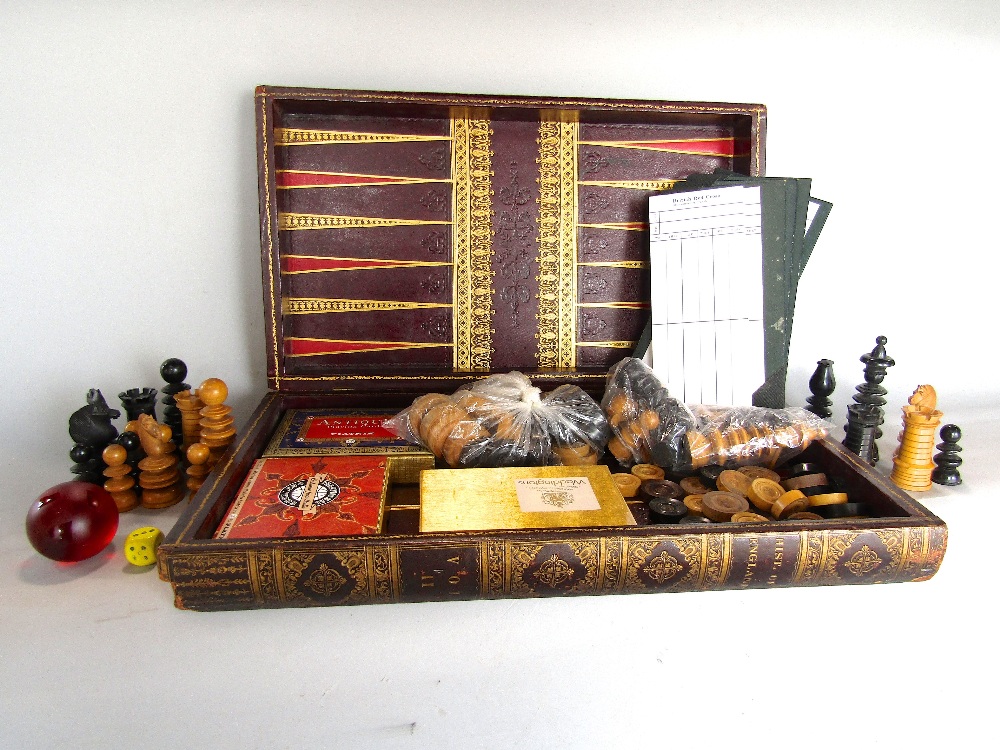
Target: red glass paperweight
(72, 521)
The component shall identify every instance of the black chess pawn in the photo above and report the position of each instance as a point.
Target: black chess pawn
(133, 451)
(138, 401)
(91, 429)
(947, 460)
(862, 422)
(173, 371)
(822, 385)
(86, 466)
(871, 392)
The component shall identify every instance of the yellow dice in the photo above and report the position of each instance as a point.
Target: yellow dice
(141, 544)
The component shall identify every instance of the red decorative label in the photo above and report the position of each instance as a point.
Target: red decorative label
(332, 428)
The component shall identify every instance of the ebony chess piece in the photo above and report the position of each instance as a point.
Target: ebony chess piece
(91, 429)
(173, 371)
(822, 385)
(862, 422)
(86, 467)
(947, 459)
(133, 450)
(91, 424)
(871, 392)
(138, 401)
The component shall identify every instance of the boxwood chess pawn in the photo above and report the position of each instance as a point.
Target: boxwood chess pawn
(217, 426)
(120, 483)
(197, 456)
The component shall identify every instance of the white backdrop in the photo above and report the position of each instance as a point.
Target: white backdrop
(129, 234)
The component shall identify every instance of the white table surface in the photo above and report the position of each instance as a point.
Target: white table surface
(95, 653)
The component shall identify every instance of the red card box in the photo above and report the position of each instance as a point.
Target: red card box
(348, 498)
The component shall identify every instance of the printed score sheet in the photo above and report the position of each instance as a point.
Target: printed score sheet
(707, 290)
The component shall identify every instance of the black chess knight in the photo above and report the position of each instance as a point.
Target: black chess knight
(91, 430)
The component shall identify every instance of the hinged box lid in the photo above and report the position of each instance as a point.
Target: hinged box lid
(411, 239)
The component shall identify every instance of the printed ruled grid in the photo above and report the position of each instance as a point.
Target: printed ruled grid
(706, 259)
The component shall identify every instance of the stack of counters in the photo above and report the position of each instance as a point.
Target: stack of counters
(814, 485)
(648, 471)
(628, 484)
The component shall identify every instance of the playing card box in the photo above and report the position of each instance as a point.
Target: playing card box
(415, 242)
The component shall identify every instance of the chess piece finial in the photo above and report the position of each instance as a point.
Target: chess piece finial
(822, 385)
(924, 398)
(120, 483)
(947, 460)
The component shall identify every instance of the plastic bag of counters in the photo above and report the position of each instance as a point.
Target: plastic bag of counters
(503, 420)
(650, 426)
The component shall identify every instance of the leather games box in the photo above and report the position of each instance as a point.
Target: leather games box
(414, 242)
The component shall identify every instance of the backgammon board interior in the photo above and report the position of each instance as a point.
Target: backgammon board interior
(419, 233)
